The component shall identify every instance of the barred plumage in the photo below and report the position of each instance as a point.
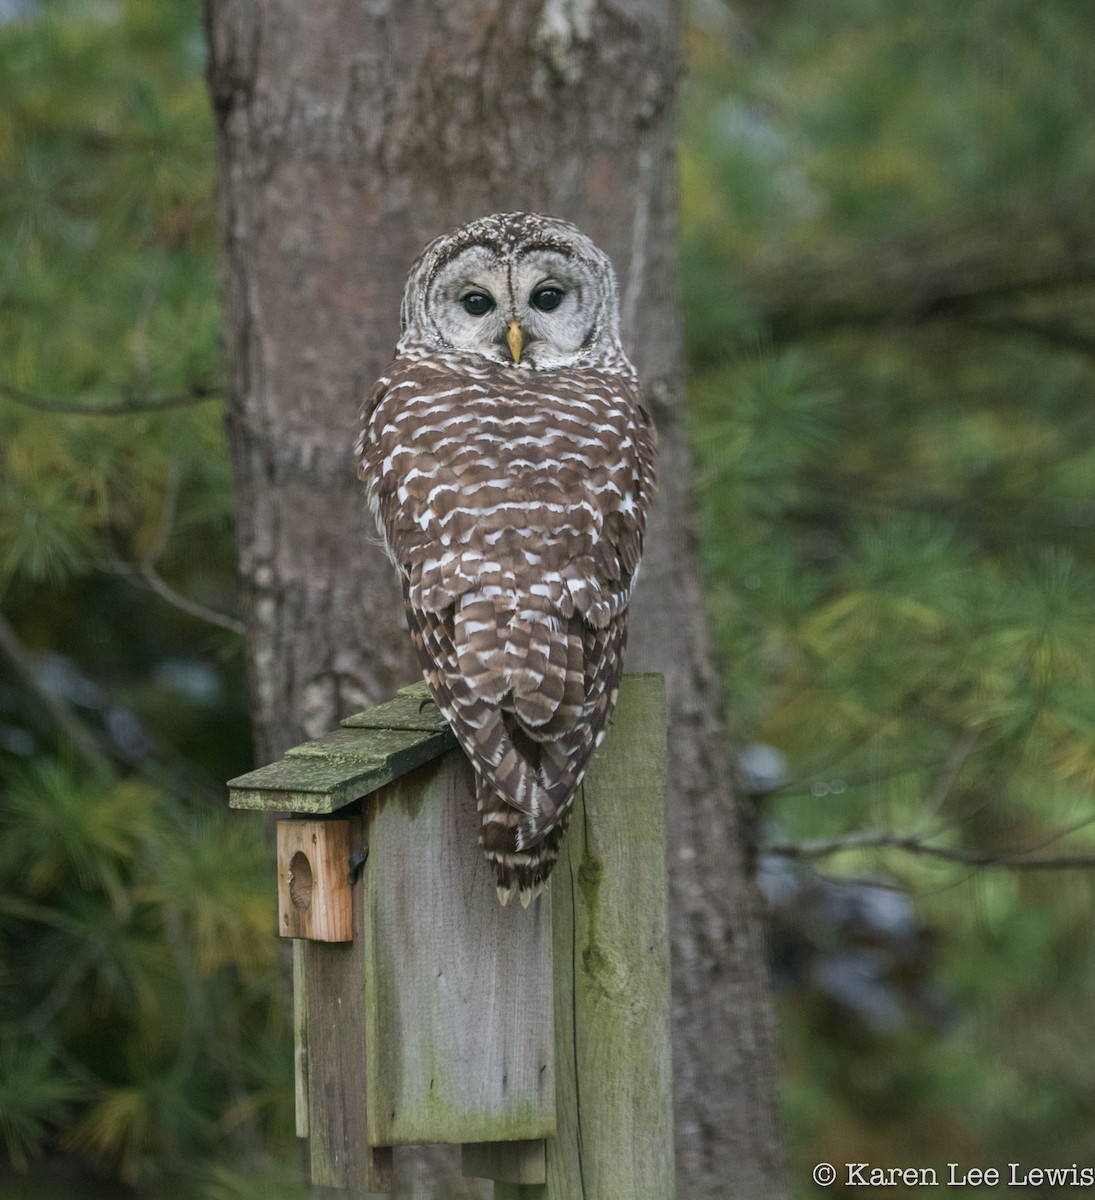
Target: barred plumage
(510, 466)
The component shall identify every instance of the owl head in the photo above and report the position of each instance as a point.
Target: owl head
(525, 291)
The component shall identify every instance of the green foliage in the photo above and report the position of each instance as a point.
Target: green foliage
(897, 520)
(270, 1184)
(139, 973)
(107, 290)
(143, 1030)
(35, 1096)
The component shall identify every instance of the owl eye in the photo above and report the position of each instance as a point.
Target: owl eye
(476, 304)
(547, 299)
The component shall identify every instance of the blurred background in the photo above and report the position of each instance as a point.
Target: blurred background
(888, 240)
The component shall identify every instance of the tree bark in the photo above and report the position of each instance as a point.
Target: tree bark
(350, 133)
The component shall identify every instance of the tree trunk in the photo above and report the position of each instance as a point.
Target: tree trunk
(350, 133)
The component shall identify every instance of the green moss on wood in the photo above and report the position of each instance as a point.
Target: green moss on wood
(371, 749)
(351, 747)
(590, 873)
(410, 708)
(441, 1115)
(611, 992)
(329, 773)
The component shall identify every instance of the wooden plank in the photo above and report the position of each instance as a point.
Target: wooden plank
(314, 898)
(353, 746)
(411, 708)
(609, 901)
(458, 989)
(300, 1041)
(505, 1162)
(309, 780)
(333, 1004)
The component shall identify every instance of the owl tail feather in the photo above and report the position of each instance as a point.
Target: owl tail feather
(520, 869)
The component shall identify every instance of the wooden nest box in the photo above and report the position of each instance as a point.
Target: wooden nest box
(424, 1011)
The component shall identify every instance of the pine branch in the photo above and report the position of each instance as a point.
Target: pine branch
(149, 298)
(948, 767)
(166, 592)
(930, 275)
(1060, 334)
(146, 567)
(168, 510)
(956, 760)
(805, 785)
(883, 839)
(147, 573)
(135, 404)
(168, 768)
(82, 739)
(920, 843)
(42, 1016)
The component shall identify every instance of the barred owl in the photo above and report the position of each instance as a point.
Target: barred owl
(510, 466)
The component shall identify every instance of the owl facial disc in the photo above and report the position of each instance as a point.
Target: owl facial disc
(468, 292)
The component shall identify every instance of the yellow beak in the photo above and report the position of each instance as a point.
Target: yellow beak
(515, 339)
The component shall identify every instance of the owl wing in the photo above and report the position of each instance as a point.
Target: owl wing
(517, 532)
